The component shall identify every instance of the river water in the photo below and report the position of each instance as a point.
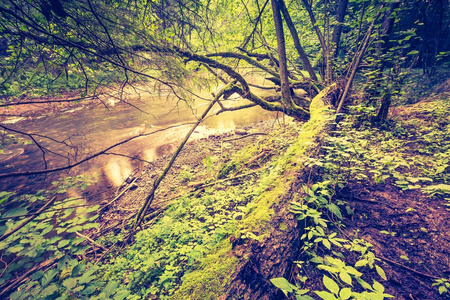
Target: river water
(88, 131)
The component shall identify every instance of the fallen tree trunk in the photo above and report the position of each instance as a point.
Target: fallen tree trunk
(267, 240)
(275, 255)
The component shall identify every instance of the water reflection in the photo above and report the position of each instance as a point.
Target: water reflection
(90, 131)
(117, 170)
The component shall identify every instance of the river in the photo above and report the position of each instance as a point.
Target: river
(88, 131)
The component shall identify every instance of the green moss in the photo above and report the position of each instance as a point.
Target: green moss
(283, 226)
(208, 282)
(261, 208)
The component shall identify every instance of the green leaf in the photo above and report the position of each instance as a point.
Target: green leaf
(15, 249)
(282, 284)
(63, 243)
(122, 294)
(316, 260)
(87, 277)
(413, 52)
(361, 263)
(364, 284)
(37, 275)
(15, 212)
(380, 272)
(378, 287)
(442, 289)
(47, 229)
(345, 293)
(325, 295)
(335, 210)
(48, 277)
(89, 290)
(50, 290)
(70, 283)
(90, 225)
(345, 278)
(110, 288)
(77, 269)
(330, 284)
(327, 244)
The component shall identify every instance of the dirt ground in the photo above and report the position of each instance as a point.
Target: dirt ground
(415, 251)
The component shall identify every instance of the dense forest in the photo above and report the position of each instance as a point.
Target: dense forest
(332, 181)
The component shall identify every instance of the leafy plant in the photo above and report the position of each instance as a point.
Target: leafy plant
(46, 239)
(443, 285)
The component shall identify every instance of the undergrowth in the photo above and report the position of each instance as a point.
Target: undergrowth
(186, 253)
(408, 152)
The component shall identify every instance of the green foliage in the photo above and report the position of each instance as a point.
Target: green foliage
(185, 175)
(47, 238)
(191, 228)
(443, 286)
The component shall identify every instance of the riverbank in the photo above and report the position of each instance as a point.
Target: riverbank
(196, 166)
(340, 210)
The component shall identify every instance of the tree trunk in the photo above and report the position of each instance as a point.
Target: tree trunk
(388, 25)
(285, 89)
(384, 109)
(298, 46)
(337, 30)
(314, 24)
(382, 48)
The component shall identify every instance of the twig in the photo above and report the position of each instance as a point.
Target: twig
(90, 241)
(19, 280)
(89, 157)
(255, 158)
(51, 210)
(149, 199)
(121, 193)
(203, 185)
(363, 200)
(408, 268)
(27, 220)
(47, 101)
(104, 253)
(245, 136)
(358, 60)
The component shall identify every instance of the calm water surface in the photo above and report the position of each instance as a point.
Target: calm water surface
(87, 131)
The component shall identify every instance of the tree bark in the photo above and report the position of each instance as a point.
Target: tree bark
(384, 108)
(281, 46)
(297, 44)
(337, 30)
(314, 24)
(382, 48)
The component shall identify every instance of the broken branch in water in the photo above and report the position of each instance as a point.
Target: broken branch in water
(46, 171)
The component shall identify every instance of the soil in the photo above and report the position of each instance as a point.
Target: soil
(417, 249)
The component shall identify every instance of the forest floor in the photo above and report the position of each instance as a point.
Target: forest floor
(406, 217)
(280, 210)
(392, 195)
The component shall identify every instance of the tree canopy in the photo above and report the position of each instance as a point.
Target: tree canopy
(54, 45)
